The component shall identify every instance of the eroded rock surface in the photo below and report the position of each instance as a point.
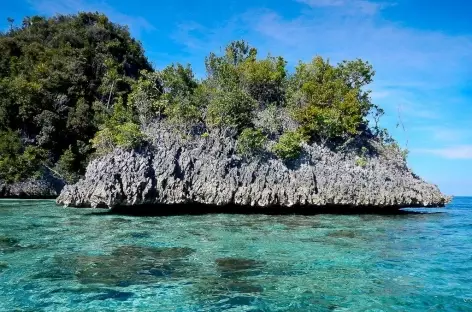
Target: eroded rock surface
(206, 170)
(46, 187)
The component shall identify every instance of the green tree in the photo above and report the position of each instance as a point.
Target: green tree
(120, 130)
(60, 77)
(328, 101)
(19, 162)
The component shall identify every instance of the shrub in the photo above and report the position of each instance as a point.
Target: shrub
(250, 142)
(120, 130)
(289, 145)
(361, 161)
(398, 150)
(230, 109)
(103, 142)
(128, 135)
(269, 120)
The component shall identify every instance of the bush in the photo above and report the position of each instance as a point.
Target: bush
(128, 135)
(250, 142)
(361, 161)
(121, 130)
(289, 145)
(230, 109)
(103, 142)
(398, 150)
(269, 120)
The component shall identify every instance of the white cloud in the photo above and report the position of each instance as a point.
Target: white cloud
(315, 3)
(454, 152)
(349, 6)
(444, 133)
(416, 69)
(136, 24)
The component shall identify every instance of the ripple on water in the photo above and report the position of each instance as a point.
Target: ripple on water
(407, 262)
(234, 287)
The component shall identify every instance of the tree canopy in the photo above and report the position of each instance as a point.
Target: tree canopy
(75, 85)
(59, 79)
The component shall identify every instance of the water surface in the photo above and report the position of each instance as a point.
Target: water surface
(57, 259)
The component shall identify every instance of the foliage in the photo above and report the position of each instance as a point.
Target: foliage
(230, 109)
(328, 101)
(72, 85)
(128, 135)
(146, 97)
(361, 161)
(18, 162)
(251, 142)
(397, 149)
(121, 130)
(67, 166)
(239, 84)
(61, 76)
(289, 145)
(269, 120)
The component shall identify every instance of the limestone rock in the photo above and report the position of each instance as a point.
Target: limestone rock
(45, 187)
(206, 170)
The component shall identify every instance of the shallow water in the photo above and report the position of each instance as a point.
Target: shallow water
(56, 259)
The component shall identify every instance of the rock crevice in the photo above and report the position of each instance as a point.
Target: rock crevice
(205, 170)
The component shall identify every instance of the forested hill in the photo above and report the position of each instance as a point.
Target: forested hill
(72, 87)
(59, 79)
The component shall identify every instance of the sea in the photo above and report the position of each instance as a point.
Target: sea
(65, 259)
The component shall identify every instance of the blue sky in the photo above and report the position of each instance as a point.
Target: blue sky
(420, 49)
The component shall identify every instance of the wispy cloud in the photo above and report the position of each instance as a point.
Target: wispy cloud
(136, 24)
(454, 152)
(442, 133)
(351, 6)
(415, 68)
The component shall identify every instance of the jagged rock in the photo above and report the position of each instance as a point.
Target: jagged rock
(206, 170)
(46, 187)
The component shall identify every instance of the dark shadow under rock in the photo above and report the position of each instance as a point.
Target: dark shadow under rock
(201, 209)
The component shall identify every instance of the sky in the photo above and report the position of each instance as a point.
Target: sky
(421, 51)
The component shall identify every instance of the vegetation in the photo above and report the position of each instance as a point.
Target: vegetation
(251, 142)
(361, 161)
(289, 145)
(77, 85)
(59, 80)
(16, 162)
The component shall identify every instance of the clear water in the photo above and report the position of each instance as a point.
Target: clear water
(56, 259)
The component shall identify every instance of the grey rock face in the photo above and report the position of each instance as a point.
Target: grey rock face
(47, 187)
(207, 171)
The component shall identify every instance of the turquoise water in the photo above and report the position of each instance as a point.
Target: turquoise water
(56, 259)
